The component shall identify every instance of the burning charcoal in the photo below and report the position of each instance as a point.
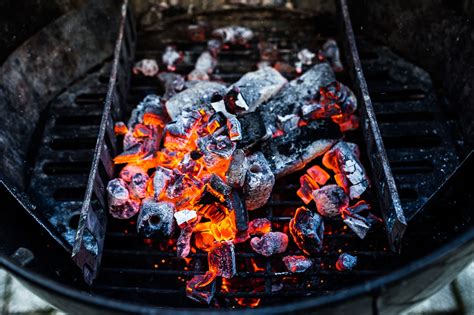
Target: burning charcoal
(120, 204)
(330, 200)
(259, 182)
(193, 98)
(346, 262)
(235, 130)
(183, 245)
(206, 62)
(170, 57)
(137, 186)
(218, 186)
(160, 181)
(236, 35)
(293, 96)
(201, 288)
(253, 130)
(259, 86)
(131, 154)
(270, 243)
(120, 129)
(234, 101)
(307, 230)
(215, 150)
(350, 174)
(184, 216)
(240, 212)
(173, 83)
(129, 171)
(318, 174)
(307, 186)
(156, 219)
(297, 264)
(259, 226)
(305, 57)
(221, 260)
(147, 67)
(292, 151)
(237, 169)
(150, 104)
(330, 52)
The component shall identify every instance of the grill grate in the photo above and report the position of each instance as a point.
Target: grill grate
(140, 270)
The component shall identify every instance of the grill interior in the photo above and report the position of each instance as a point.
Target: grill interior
(141, 270)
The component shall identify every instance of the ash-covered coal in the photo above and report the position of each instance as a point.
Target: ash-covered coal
(259, 86)
(270, 243)
(221, 260)
(292, 151)
(259, 226)
(156, 219)
(330, 200)
(121, 206)
(259, 181)
(346, 262)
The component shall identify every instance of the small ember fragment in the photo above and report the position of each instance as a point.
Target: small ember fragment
(259, 226)
(330, 52)
(147, 67)
(297, 264)
(330, 200)
(121, 206)
(237, 169)
(350, 174)
(270, 243)
(201, 288)
(235, 130)
(346, 262)
(156, 218)
(307, 230)
(170, 57)
(258, 183)
(221, 259)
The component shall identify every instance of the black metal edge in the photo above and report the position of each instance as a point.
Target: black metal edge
(31, 210)
(89, 240)
(390, 205)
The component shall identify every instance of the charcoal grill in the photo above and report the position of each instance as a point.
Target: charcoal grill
(136, 277)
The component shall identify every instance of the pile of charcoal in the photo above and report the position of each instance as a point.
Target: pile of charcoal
(198, 158)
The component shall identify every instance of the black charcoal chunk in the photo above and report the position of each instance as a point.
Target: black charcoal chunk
(292, 151)
(221, 259)
(253, 130)
(346, 262)
(297, 264)
(307, 230)
(201, 288)
(259, 86)
(240, 212)
(156, 219)
(237, 169)
(270, 243)
(258, 183)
